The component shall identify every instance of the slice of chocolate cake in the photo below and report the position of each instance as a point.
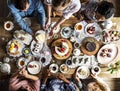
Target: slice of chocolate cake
(90, 46)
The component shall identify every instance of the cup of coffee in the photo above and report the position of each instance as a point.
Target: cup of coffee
(53, 68)
(76, 45)
(8, 25)
(79, 27)
(21, 63)
(95, 70)
(43, 59)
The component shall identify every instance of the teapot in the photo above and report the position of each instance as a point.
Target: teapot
(5, 68)
(107, 24)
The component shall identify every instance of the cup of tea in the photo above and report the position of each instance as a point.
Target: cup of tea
(21, 63)
(8, 25)
(79, 27)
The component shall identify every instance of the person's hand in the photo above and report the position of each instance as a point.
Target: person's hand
(75, 76)
(52, 29)
(23, 72)
(47, 74)
(93, 75)
(51, 33)
(62, 77)
(43, 28)
(48, 22)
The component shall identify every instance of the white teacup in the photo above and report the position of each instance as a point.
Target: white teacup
(95, 70)
(21, 63)
(76, 52)
(6, 59)
(8, 25)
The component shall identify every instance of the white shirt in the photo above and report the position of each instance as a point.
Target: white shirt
(73, 7)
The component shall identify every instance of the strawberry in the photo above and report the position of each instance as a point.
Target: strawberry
(16, 46)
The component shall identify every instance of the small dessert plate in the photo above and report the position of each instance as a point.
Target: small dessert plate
(107, 53)
(64, 68)
(83, 72)
(34, 67)
(93, 30)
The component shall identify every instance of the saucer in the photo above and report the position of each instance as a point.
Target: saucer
(83, 72)
(66, 32)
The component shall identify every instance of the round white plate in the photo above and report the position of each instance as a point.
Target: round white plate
(47, 59)
(83, 72)
(62, 70)
(33, 43)
(52, 69)
(19, 49)
(34, 67)
(107, 60)
(64, 34)
(98, 30)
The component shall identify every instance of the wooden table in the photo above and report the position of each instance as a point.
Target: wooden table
(5, 36)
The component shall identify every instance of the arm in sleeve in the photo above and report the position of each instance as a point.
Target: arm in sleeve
(43, 86)
(72, 9)
(78, 84)
(21, 23)
(41, 14)
(72, 86)
(13, 84)
(18, 18)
